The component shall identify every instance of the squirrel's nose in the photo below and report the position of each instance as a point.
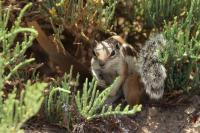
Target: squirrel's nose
(101, 63)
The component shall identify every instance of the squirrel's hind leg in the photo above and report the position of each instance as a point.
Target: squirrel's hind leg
(133, 90)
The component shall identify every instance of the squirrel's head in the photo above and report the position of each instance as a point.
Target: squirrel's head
(107, 51)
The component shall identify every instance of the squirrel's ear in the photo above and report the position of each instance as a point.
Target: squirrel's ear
(95, 42)
(94, 53)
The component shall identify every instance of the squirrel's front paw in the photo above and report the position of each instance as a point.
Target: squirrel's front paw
(101, 83)
(113, 93)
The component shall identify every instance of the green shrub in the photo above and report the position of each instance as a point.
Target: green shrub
(156, 11)
(59, 100)
(14, 58)
(88, 104)
(80, 18)
(182, 55)
(15, 109)
(15, 112)
(91, 103)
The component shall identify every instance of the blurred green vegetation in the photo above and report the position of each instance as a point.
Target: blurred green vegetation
(19, 105)
(182, 55)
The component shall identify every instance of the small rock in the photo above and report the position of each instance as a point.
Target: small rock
(190, 110)
(153, 111)
(145, 130)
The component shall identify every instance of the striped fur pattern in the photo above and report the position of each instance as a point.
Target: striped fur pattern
(111, 54)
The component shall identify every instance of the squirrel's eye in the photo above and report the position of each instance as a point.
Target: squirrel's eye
(112, 53)
(93, 52)
(117, 46)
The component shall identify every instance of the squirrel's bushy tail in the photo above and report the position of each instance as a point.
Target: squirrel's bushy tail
(153, 73)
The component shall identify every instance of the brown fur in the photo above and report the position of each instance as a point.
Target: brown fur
(132, 89)
(119, 39)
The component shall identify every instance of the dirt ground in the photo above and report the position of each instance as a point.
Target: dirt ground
(177, 119)
(182, 117)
